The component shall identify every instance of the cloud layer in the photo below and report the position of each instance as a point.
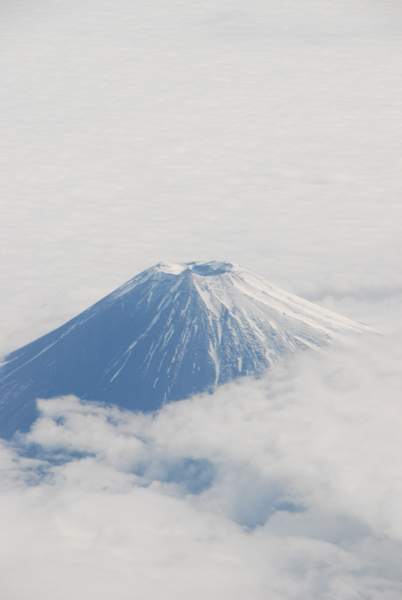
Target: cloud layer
(262, 133)
(287, 487)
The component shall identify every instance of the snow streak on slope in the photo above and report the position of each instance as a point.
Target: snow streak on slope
(170, 332)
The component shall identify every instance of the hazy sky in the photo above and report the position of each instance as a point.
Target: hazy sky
(263, 133)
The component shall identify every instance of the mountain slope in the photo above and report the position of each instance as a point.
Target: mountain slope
(170, 332)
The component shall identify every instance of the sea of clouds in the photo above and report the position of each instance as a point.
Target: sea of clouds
(262, 133)
(286, 487)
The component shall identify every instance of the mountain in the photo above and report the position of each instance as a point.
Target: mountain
(170, 332)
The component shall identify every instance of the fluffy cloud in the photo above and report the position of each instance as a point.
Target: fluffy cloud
(287, 487)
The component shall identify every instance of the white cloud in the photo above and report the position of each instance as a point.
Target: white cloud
(262, 133)
(287, 487)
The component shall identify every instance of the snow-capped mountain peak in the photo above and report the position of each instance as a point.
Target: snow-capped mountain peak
(171, 331)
